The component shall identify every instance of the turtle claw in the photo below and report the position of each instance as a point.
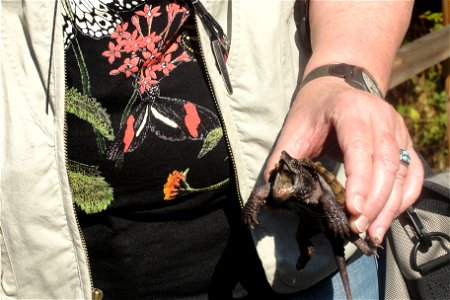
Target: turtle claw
(250, 220)
(253, 205)
(372, 243)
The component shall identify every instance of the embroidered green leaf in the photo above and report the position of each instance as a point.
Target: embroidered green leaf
(89, 189)
(186, 187)
(127, 110)
(211, 141)
(90, 110)
(83, 68)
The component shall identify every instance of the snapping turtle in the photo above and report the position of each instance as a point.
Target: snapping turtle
(311, 191)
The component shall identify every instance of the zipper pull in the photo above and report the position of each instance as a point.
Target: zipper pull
(97, 294)
(219, 41)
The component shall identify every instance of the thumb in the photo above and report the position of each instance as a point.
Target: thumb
(298, 140)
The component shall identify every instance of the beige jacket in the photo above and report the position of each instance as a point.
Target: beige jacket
(42, 251)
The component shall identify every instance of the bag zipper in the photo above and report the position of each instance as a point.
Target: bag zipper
(213, 96)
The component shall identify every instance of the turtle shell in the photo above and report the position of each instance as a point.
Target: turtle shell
(328, 177)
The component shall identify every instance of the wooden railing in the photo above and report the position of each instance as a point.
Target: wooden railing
(424, 53)
(420, 55)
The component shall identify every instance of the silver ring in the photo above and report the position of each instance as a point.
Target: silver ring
(405, 159)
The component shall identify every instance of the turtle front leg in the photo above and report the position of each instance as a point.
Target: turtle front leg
(257, 199)
(336, 217)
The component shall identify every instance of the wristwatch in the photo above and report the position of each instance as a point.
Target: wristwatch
(355, 76)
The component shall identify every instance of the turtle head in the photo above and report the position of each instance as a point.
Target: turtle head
(291, 178)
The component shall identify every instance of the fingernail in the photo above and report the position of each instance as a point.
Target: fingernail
(361, 224)
(379, 235)
(358, 203)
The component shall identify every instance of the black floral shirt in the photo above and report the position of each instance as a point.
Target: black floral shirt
(148, 164)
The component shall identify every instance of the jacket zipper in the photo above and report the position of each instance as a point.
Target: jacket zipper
(213, 95)
(97, 294)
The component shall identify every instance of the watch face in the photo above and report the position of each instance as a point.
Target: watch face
(371, 85)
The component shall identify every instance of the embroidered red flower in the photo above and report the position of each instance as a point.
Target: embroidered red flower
(150, 70)
(121, 32)
(112, 53)
(183, 57)
(133, 43)
(145, 82)
(129, 66)
(151, 55)
(149, 12)
(167, 64)
(150, 41)
(173, 9)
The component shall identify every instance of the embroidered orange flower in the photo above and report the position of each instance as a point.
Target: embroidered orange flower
(173, 185)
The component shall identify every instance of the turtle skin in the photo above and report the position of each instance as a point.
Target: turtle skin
(308, 189)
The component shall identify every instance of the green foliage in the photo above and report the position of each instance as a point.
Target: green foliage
(211, 141)
(422, 102)
(89, 110)
(89, 189)
(436, 18)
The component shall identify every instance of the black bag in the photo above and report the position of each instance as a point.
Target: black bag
(418, 246)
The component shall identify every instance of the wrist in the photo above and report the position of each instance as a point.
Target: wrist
(354, 76)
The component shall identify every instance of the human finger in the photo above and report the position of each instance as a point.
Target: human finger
(406, 190)
(407, 184)
(390, 210)
(357, 148)
(358, 172)
(414, 181)
(384, 167)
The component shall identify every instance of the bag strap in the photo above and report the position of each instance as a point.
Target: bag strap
(419, 244)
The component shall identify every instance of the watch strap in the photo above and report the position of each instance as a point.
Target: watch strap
(353, 75)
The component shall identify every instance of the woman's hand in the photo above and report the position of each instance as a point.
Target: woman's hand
(331, 118)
